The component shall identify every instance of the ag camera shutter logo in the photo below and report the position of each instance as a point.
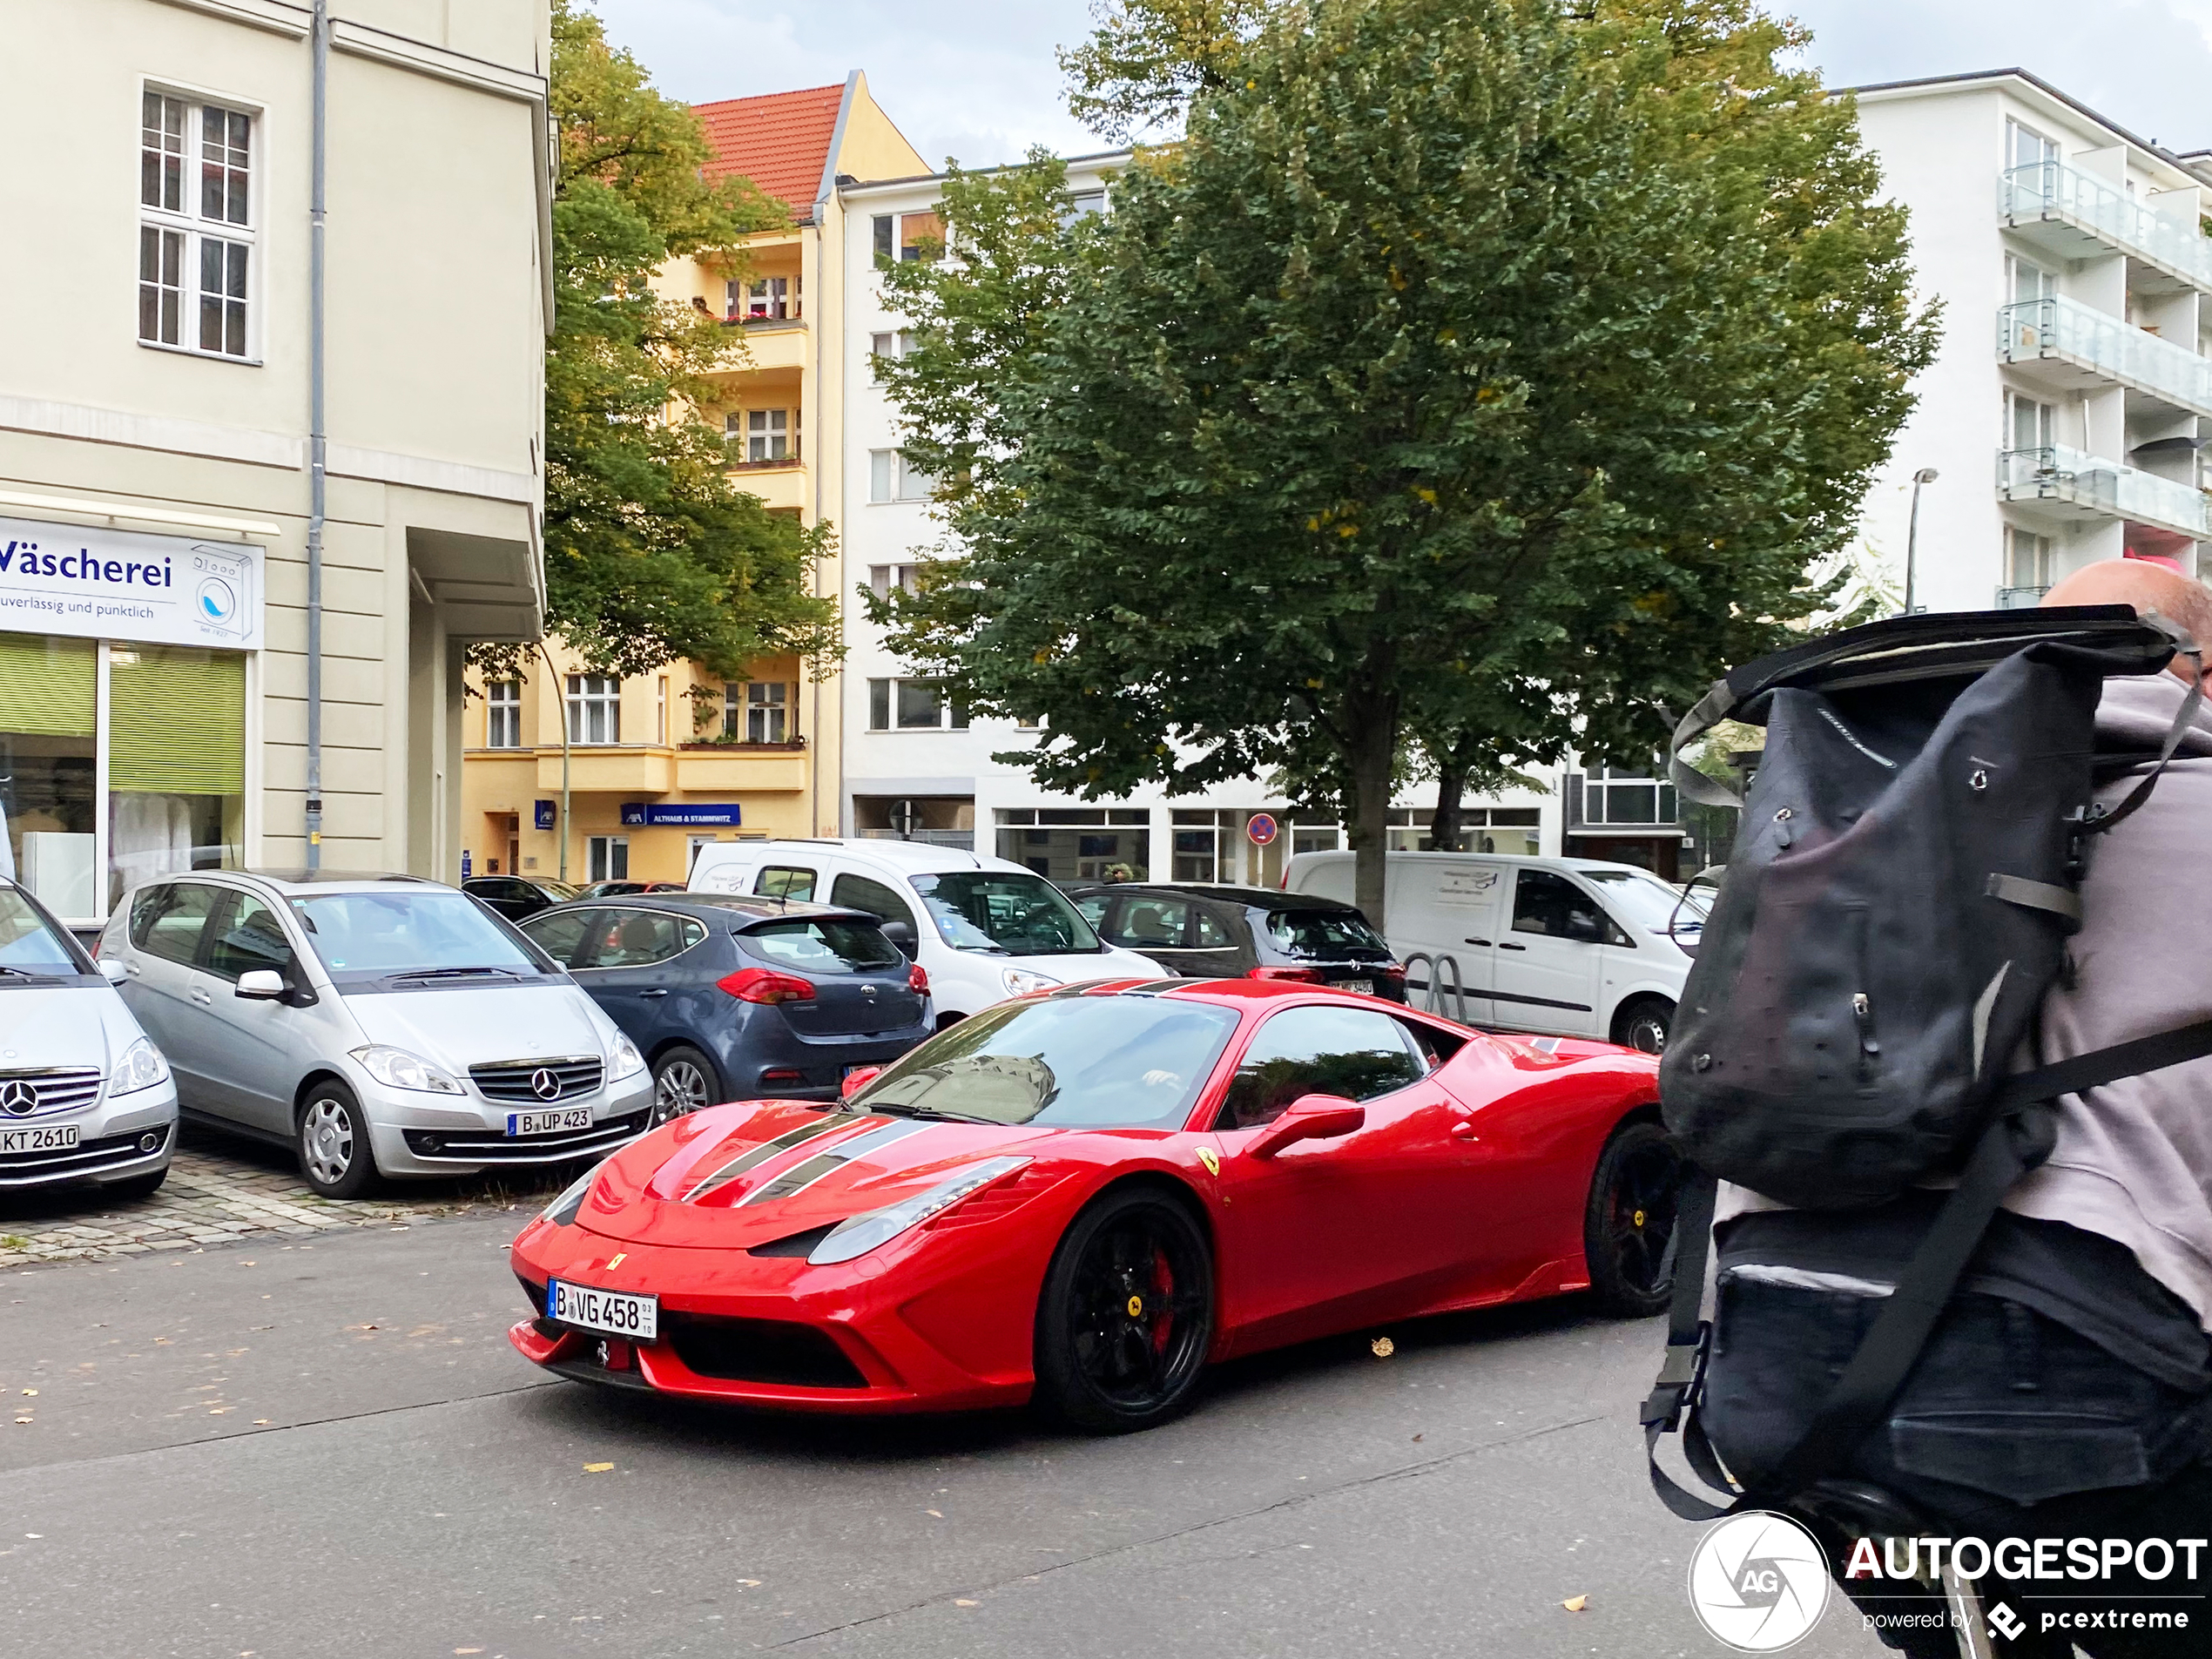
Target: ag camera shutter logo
(1758, 1583)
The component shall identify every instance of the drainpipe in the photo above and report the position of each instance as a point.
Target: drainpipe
(560, 696)
(318, 438)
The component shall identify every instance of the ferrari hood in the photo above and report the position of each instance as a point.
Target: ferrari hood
(734, 1176)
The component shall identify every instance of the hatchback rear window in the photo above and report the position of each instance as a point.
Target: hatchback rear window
(1323, 933)
(822, 946)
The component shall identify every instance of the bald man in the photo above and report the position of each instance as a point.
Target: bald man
(2067, 1391)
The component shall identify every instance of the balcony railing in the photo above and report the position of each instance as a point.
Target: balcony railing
(2057, 473)
(2048, 191)
(2066, 331)
(2020, 598)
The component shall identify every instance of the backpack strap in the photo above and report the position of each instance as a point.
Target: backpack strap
(2184, 645)
(2017, 1141)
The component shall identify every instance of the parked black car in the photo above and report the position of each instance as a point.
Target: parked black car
(1202, 931)
(625, 889)
(732, 997)
(518, 896)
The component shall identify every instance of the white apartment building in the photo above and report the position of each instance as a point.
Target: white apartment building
(914, 764)
(158, 483)
(2062, 418)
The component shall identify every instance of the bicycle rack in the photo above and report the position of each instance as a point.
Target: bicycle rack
(1437, 961)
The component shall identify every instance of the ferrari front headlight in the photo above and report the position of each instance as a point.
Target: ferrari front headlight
(858, 1235)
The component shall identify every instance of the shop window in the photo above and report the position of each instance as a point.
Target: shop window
(503, 715)
(595, 708)
(607, 858)
(1078, 843)
(49, 699)
(196, 246)
(176, 768)
(1611, 795)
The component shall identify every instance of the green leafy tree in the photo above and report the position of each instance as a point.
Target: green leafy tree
(651, 554)
(1471, 373)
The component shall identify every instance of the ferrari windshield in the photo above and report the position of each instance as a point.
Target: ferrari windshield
(1077, 1062)
(1008, 911)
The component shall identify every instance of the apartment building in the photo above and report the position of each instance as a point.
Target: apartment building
(160, 692)
(654, 765)
(916, 767)
(2062, 421)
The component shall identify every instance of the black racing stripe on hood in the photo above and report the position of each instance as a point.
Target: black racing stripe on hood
(831, 1159)
(761, 1154)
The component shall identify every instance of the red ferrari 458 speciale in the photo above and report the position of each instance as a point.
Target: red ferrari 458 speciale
(1084, 1196)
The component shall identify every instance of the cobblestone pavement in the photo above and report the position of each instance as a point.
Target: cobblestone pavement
(220, 1188)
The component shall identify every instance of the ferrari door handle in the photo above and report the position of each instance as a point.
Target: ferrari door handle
(1506, 944)
(1477, 942)
(658, 990)
(1464, 1130)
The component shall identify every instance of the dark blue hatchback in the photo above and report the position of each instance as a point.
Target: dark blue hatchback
(735, 998)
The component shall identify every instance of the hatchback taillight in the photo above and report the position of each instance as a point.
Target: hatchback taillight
(766, 985)
(1311, 976)
(918, 980)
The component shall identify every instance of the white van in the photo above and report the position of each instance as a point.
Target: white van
(1573, 947)
(982, 929)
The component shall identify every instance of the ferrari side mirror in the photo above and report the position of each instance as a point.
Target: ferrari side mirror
(1311, 1118)
(857, 1079)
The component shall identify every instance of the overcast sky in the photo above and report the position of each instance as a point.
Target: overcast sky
(977, 80)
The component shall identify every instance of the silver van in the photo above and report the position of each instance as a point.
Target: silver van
(85, 1097)
(379, 1025)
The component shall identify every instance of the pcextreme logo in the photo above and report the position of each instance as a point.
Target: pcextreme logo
(1758, 1583)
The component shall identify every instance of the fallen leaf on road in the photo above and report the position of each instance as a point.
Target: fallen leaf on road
(938, 1512)
(23, 1420)
(963, 1601)
(1417, 1437)
(1576, 1604)
(30, 1393)
(260, 1422)
(468, 1649)
(596, 1468)
(754, 1581)
(1384, 1348)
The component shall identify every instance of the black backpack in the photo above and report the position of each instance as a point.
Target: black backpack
(1898, 900)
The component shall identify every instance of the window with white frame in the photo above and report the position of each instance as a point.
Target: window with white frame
(758, 711)
(887, 579)
(2027, 562)
(595, 708)
(606, 858)
(766, 298)
(1080, 204)
(503, 715)
(195, 225)
(763, 437)
(2028, 423)
(2026, 147)
(2026, 280)
(885, 347)
(892, 477)
(912, 706)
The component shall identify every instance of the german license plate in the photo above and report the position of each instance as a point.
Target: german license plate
(612, 1312)
(1367, 986)
(57, 1137)
(546, 1122)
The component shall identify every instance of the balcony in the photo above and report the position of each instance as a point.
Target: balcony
(2063, 483)
(2020, 598)
(2064, 343)
(2074, 216)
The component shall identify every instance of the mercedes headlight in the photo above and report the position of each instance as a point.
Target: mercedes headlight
(858, 1235)
(625, 1061)
(1020, 982)
(141, 1067)
(397, 1068)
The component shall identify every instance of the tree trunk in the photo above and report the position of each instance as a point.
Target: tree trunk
(1372, 750)
(1451, 785)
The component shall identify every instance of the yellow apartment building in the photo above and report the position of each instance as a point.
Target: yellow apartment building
(655, 765)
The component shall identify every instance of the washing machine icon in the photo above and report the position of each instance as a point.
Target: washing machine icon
(222, 592)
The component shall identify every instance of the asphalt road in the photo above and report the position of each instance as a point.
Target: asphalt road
(326, 1447)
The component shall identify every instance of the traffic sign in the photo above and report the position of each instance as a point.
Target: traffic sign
(1261, 828)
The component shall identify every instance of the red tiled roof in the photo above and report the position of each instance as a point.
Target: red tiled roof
(779, 140)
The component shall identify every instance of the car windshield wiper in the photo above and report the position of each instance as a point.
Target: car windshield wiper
(25, 973)
(931, 1112)
(457, 973)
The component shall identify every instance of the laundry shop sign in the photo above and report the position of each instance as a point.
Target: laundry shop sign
(118, 584)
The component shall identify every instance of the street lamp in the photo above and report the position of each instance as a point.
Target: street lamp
(1925, 476)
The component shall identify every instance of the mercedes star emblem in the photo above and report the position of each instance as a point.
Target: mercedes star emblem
(18, 1098)
(545, 1084)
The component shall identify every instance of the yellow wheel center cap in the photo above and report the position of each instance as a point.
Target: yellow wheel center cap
(1639, 1217)
(1135, 1307)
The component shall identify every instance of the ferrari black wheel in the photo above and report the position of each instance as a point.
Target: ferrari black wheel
(1127, 1314)
(1630, 1220)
